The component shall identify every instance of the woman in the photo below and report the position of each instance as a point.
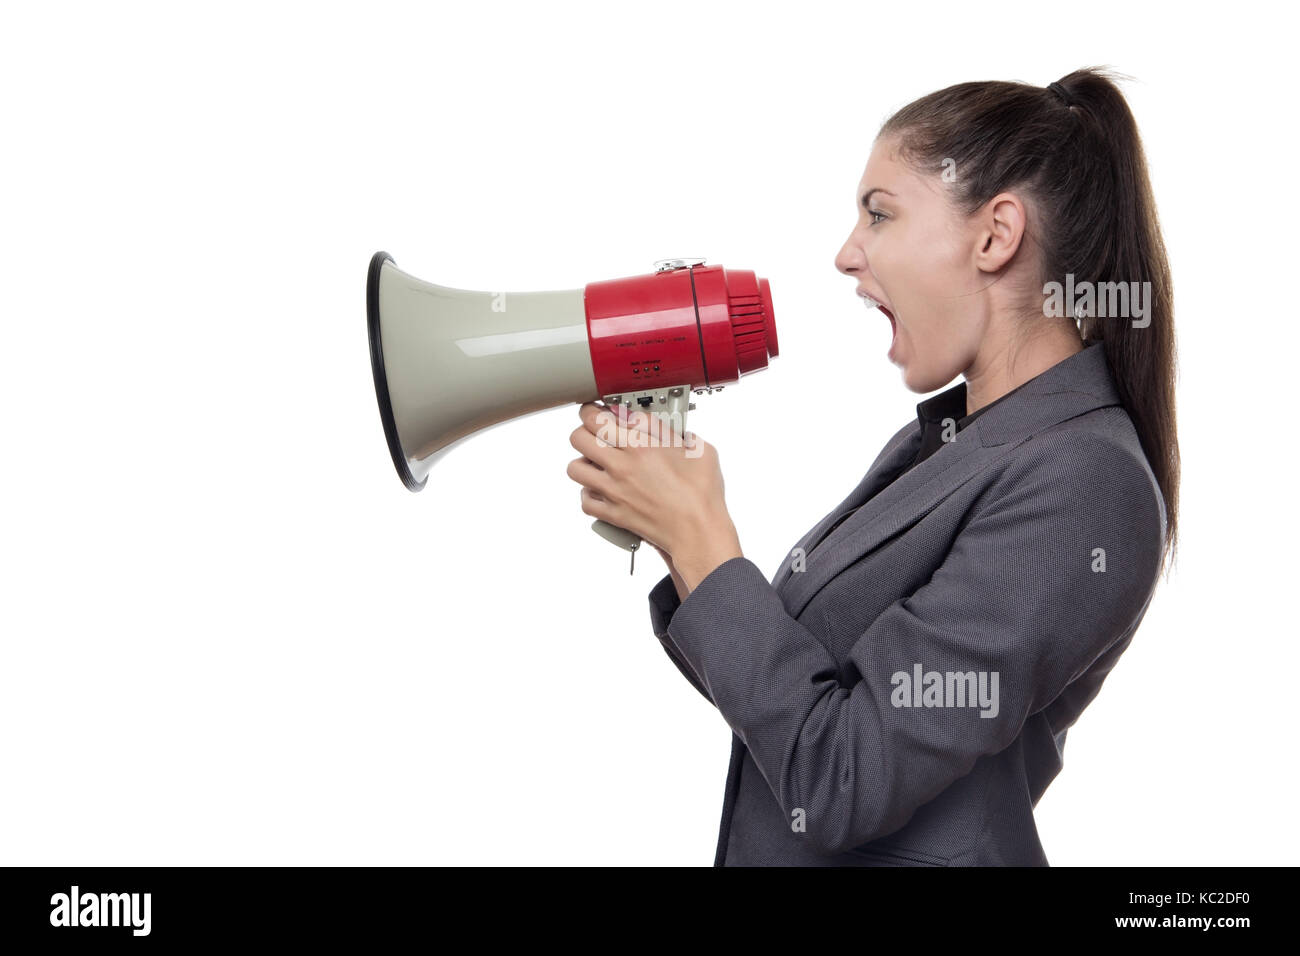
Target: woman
(901, 691)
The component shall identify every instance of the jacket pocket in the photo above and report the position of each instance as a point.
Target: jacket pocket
(889, 855)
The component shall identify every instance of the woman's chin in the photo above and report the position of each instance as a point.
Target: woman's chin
(918, 376)
(911, 375)
(920, 380)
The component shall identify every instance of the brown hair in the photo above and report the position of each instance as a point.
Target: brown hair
(1074, 150)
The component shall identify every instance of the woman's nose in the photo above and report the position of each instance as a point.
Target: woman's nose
(851, 259)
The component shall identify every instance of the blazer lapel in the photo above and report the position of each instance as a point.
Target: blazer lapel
(887, 464)
(1070, 388)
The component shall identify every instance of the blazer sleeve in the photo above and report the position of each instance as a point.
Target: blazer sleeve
(664, 603)
(1019, 595)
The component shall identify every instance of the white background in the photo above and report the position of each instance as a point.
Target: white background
(231, 636)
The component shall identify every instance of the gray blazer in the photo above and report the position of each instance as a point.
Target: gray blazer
(901, 694)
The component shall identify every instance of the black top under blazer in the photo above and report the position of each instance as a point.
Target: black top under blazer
(1029, 546)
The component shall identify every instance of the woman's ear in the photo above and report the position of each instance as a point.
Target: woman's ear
(1001, 226)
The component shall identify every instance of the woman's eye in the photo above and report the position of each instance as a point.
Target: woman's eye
(873, 214)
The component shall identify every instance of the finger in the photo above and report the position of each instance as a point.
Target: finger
(589, 476)
(596, 507)
(599, 452)
(601, 418)
(582, 492)
(615, 420)
(636, 419)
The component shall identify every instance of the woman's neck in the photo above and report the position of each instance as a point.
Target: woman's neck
(1001, 367)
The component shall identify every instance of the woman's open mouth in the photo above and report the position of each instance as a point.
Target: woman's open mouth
(873, 304)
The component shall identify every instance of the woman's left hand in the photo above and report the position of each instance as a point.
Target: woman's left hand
(665, 488)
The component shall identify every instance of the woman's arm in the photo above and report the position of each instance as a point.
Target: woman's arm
(665, 598)
(1018, 596)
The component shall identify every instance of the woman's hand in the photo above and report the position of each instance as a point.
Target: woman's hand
(666, 488)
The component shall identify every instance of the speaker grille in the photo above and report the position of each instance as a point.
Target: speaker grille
(749, 304)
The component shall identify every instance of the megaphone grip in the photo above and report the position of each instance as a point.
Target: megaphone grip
(615, 535)
(676, 402)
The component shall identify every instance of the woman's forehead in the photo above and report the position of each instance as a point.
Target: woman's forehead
(885, 173)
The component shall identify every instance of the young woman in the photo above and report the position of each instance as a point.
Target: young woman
(900, 692)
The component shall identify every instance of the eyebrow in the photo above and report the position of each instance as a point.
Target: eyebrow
(866, 196)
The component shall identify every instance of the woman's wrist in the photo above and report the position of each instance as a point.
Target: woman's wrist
(709, 548)
(679, 585)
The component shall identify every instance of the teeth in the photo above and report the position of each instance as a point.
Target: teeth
(870, 302)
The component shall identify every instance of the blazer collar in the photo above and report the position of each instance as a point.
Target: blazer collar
(886, 507)
(1071, 387)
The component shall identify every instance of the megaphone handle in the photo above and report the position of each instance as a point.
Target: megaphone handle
(673, 409)
(620, 536)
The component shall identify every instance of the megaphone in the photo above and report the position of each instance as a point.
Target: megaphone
(449, 363)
